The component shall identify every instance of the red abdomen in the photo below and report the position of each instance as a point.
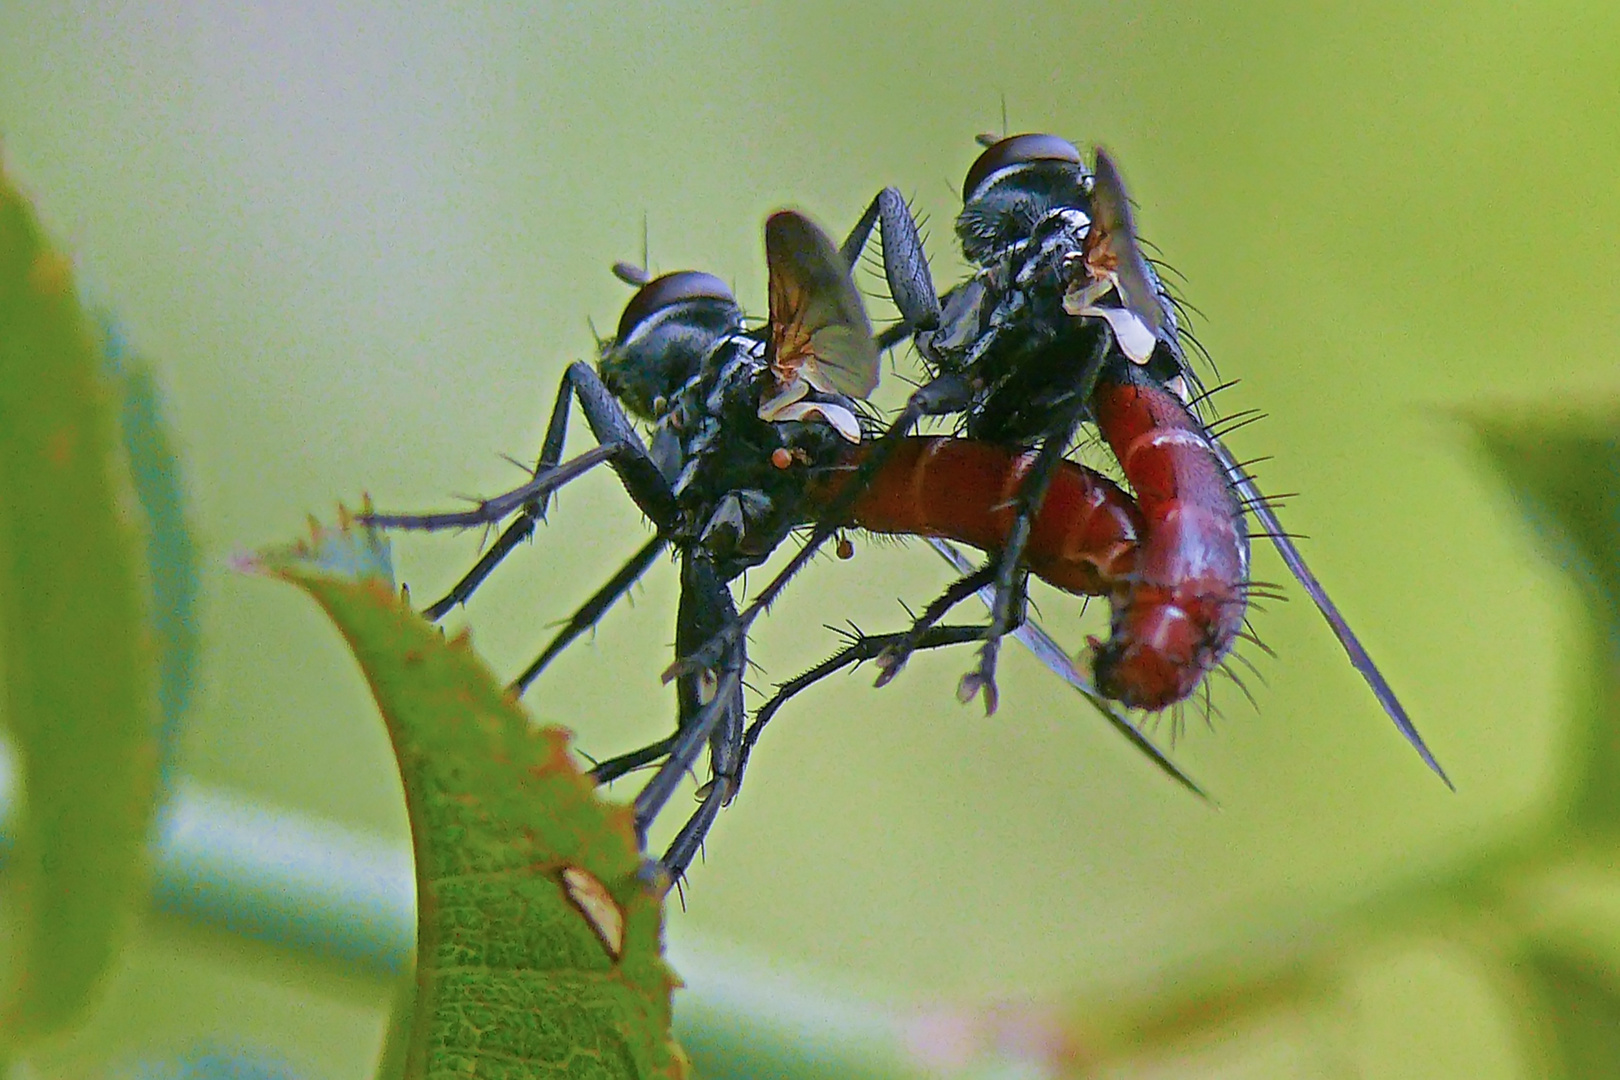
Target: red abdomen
(1184, 608)
(1083, 540)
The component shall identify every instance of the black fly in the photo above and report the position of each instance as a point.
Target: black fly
(742, 421)
(1060, 307)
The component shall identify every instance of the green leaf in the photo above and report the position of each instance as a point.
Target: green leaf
(78, 681)
(514, 978)
(1565, 474)
(171, 553)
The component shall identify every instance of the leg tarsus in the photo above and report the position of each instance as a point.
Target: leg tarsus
(513, 535)
(605, 772)
(895, 656)
(678, 856)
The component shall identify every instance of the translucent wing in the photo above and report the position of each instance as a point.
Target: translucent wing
(819, 329)
(1260, 508)
(1138, 285)
(1139, 289)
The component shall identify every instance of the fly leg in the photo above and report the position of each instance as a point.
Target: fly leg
(868, 647)
(618, 445)
(593, 609)
(531, 513)
(1010, 576)
(905, 264)
(893, 658)
(711, 712)
(609, 770)
(1027, 504)
(861, 647)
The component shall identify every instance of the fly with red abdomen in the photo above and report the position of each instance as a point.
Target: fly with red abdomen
(1063, 322)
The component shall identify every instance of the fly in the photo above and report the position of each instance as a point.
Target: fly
(726, 406)
(1063, 322)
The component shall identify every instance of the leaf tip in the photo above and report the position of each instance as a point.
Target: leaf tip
(347, 550)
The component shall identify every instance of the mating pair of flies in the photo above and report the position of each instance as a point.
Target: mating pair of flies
(760, 433)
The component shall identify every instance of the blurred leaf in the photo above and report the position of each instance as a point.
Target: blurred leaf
(171, 553)
(79, 691)
(1565, 474)
(514, 978)
(1579, 1021)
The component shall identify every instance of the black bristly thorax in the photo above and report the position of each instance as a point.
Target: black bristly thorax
(1025, 229)
(737, 503)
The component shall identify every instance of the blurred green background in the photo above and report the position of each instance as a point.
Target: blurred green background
(363, 240)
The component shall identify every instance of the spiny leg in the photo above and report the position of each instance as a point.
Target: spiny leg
(684, 848)
(710, 712)
(862, 647)
(618, 446)
(511, 536)
(593, 609)
(714, 724)
(904, 644)
(905, 264)
(497, 507)
(605, 772)
(1031, 494)
(531, 513)
(1046, 649)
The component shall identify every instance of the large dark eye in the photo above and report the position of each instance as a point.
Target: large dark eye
(1017, 150)
(669, 289)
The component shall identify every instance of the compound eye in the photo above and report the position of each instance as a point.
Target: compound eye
(1017, 150)
(668, 290)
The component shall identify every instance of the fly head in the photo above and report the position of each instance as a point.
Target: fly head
(668, 328)
(1013, 185)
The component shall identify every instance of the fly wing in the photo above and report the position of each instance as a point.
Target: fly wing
(1143, 295)
(819, 327)
(1050, 653)
(1256, 503)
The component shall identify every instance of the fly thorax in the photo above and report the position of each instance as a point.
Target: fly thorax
(740, 366)
(1054, 244)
